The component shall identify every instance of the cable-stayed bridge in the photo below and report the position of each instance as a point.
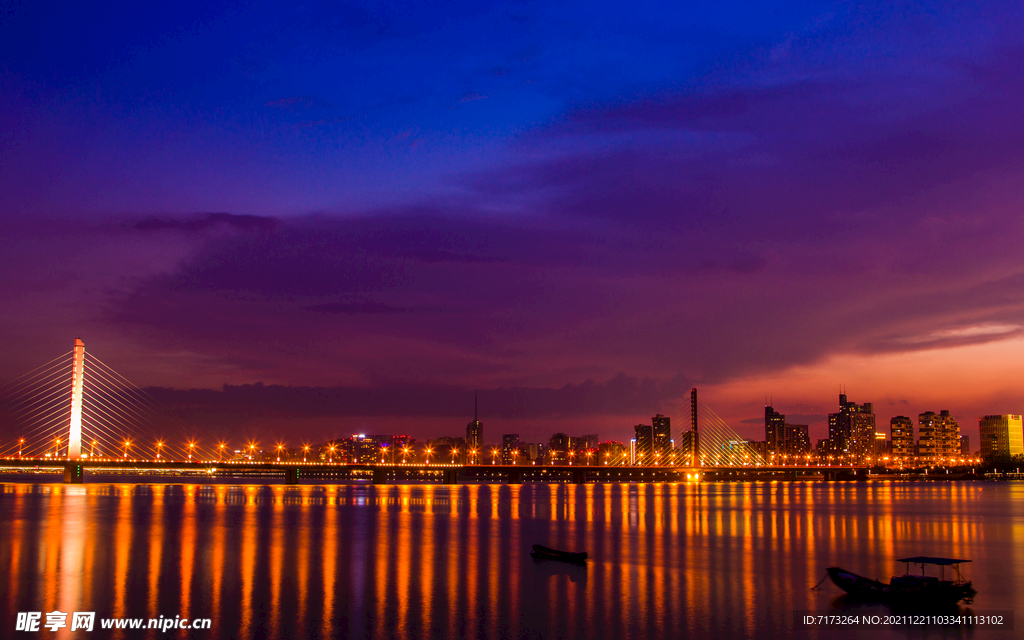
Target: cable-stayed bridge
(77, 413)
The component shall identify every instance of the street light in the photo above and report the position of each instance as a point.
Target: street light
(279, 447)
(191, 446)
(92, 454)
(159, 445)
(220, 451)
(305, 452)
(127, 443)
(330, 458)
(494, 455)
(21, 442)
(56, 448)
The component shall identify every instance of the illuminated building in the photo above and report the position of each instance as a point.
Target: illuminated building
(781, 438)
(475, 429)
(661, 436)
(559, 447)
(852, 429)
(881, 444)
(509, 447)
(938, 436)
(901, 435)
(1001, 435)
(644, 444)
(774, 431)
(611, 453)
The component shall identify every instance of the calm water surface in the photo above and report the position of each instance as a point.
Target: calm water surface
(667, 561)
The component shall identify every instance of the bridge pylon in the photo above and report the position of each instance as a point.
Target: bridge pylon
(73, 473)
(75, 419)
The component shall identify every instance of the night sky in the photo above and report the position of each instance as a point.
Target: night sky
(332, 218)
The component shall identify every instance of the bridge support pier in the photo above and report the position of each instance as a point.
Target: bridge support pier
(579, 476)
(450, 476)
(791, 474)
(380, 476)
(73, 473)
(291, 475)
(862, 474)
(514, 476)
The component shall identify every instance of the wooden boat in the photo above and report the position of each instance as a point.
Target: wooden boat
(546, 553)
(909, 590)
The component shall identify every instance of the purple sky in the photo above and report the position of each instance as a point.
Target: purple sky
(581, 210)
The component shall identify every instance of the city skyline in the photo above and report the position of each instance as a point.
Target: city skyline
(774, 205)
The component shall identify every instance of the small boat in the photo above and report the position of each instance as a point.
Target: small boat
(909, 590)
(546, 553)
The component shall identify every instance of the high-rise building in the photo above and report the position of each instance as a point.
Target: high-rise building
(558, 448)
(965, 445)
(510, 448)
(611, 453)
(644, 444)
(661, 438)
(798, 439)
(938, 436)
(901, 434)
(1001, 435)
(881, 444)
(587, 442)
(774, 431)
(852, 429)
(475, 429)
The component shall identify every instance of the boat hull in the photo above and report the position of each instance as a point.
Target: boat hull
(546, 553)
(903, 592)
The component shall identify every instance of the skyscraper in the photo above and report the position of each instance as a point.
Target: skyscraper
(1001, 435)
(475, 429)
(852, 430)
(661, 436)
(798, 439)
(901, 433)
(939, 436)
(559, 446)
(509, 448)
(774, 431)
(644, 444)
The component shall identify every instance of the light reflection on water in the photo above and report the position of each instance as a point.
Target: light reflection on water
(425, 561)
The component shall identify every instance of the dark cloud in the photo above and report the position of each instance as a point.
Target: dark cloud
(620, 395)
(207, 221)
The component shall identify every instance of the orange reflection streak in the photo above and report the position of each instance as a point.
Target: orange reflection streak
(404, 562)
(451, 552)
(304, 543)
(156, 547)
(383, 562)
(17, 538)
(52, 536)
(473, 559)
(72, 552)
(276, 560)
(248, 559)
(217, 552)
(122, 545)
(749, 555)
(188, 550)
(429, 558)
(329, 567)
